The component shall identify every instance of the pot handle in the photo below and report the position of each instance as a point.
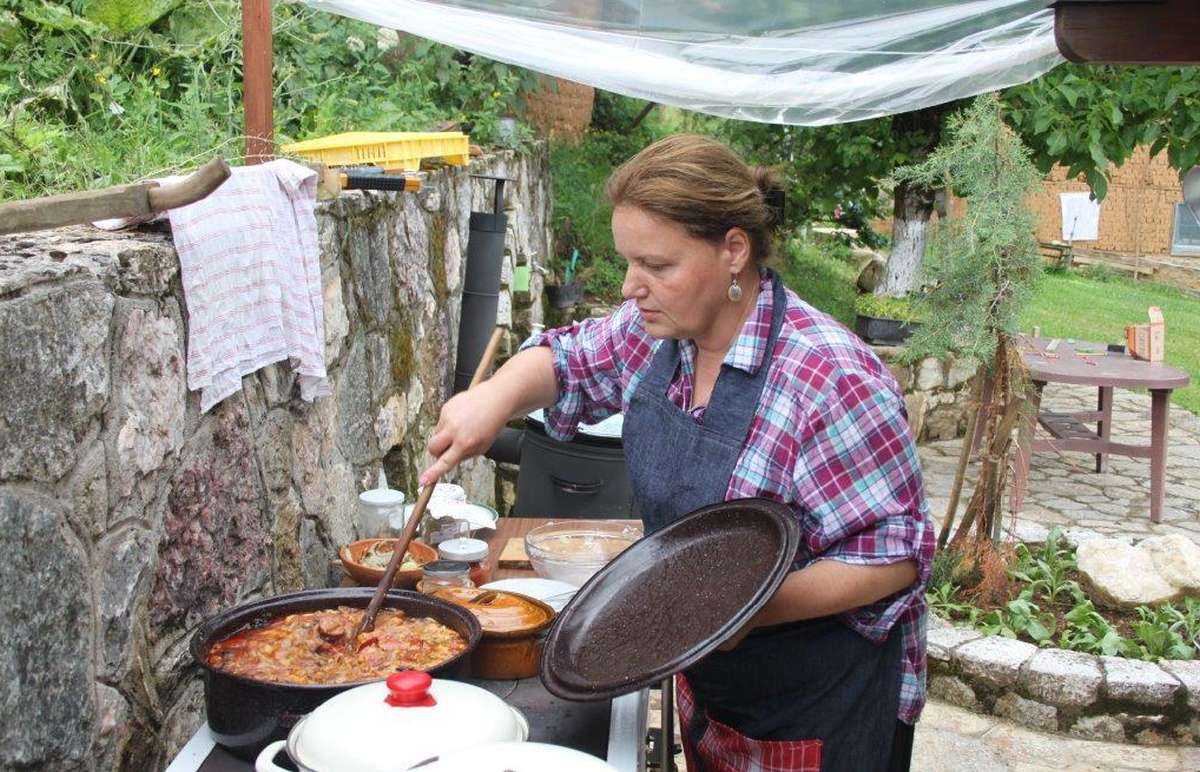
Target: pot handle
(266, 760)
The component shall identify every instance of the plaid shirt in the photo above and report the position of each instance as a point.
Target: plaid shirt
(830, 439)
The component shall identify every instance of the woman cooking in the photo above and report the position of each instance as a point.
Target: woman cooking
(733, 387)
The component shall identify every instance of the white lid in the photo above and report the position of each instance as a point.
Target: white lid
(518, 757)
(360, 730)
(448, 492)
(382, 497)
(477, 515)
(465, 549)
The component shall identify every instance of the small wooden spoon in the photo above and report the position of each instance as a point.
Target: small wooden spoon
(418, 511)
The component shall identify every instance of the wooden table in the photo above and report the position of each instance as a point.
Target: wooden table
(1067, 430)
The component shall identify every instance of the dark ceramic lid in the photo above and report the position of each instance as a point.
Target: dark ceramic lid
(670, 599)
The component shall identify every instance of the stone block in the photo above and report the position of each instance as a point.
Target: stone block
(1103, 728)
(929, 374)
(371, 267)
(1062, 677)
(994, 661)
(46, 638)
(961, 370)
(87, 492)
(943, 422)
(58, 379)
(273, 445)
(914, 408)
(147, 268)
(123, 577)
(1121, 576)
(1142, 682)
(903, 374)
(954, 691)
(941, 641)
(1188, 674)
(337, 324)
(391, 423)
(355, 418)
(151, 392)
(1031, 713)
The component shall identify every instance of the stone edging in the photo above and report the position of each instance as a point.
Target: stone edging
(1054, 690)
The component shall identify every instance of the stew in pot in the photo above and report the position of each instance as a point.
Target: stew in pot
(310, 647)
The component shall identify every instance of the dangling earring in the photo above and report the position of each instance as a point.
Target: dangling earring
(735, 292)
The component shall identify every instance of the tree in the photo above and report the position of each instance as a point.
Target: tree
(986, 266)
(1087, 117)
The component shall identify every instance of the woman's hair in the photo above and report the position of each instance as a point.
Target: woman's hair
(705, 187)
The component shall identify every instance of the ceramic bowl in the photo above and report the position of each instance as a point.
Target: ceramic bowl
(369, 576)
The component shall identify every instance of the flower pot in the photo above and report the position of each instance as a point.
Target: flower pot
(891, 332)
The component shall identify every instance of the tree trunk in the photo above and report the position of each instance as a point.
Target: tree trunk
(910, 227)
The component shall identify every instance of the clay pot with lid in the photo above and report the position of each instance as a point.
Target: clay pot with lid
(514, 631)
(396, 725)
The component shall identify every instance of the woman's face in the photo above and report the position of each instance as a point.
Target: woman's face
(680, 282)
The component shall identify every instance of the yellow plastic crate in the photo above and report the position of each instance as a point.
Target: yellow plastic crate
(392, 150)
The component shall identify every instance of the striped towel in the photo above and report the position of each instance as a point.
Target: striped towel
(251, 275)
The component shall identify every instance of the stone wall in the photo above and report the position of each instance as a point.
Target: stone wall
(127, 517)
(936, 393)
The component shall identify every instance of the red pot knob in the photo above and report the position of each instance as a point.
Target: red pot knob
(409, 689)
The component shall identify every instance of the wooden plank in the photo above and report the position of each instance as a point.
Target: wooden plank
(1128, 31)
(513, 555)
(257, 90)
(72, 208)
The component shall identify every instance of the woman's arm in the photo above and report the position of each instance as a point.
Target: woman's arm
(470, 421)
(828, 587)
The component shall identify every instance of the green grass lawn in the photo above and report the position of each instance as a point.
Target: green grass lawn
(1073, 306)
(1064, 306)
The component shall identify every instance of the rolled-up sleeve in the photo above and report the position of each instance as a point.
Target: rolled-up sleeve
(858, 479)
(590, 359)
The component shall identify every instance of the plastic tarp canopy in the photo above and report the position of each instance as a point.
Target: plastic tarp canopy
(808, 62)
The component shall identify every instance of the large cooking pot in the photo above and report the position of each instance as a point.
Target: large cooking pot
(245, 714)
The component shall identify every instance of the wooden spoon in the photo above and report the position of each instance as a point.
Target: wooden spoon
(410, 527)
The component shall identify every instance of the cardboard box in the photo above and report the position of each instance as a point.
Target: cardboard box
(1147, 341)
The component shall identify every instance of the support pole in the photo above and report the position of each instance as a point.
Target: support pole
(257, 87)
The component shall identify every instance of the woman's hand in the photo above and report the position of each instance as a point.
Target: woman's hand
(467, 426)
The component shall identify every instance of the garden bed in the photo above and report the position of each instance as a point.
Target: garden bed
(1034, 649)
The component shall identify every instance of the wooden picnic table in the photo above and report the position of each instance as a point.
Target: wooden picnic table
(1068, 431)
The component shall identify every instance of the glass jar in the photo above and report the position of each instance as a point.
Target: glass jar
(444, 573)
(471, 551)
(379, 511)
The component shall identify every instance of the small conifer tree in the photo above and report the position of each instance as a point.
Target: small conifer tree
(986, 263)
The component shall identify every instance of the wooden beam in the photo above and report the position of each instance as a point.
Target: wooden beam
(257, 82)
(1128, 31)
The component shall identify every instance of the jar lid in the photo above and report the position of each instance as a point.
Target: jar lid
(382, 497)
(445, 567)
(464, 549)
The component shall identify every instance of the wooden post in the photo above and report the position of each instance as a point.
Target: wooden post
(257, 83)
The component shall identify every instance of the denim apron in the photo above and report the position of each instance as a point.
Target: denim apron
(800, 696)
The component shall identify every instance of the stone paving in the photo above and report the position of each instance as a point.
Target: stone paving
(1064, 489)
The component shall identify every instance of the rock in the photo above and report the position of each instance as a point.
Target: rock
(903, 374)
(213, 548)
(1065, 678)
(1105, 728)
(355, 431)
(1120, 576)
(914, 409)
(150, 394)
(273, 444)
(87, 492)
(1151, 737)
(53, 391)
(1177, 559)
(316, 555)
(371, 267)
(1075, 537)
(929, 374)
(337, 324)
(940, 642)
(1032, 714)
(943, 422)
(147, 269)
(954, 691)
(124, 576)
(285, 544)
(1142, 682)
(181, 722)
(870, 271)
(962, 370)
(1188, 673)
(391, 423)
(278, 381)
(379, 368)
(1030, 533)
(994, 660)
(45, 640)
(114, 728)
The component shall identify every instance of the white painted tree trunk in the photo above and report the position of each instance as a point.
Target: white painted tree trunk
(910, 229)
